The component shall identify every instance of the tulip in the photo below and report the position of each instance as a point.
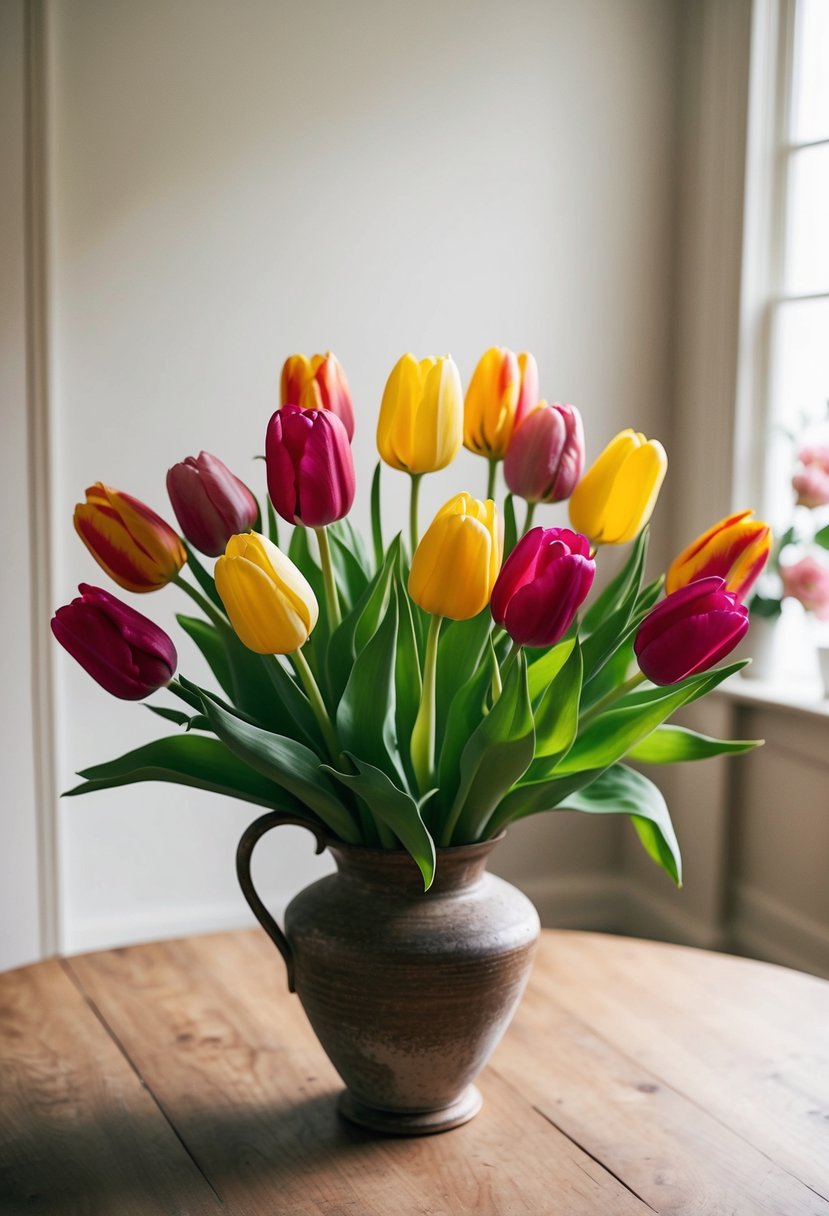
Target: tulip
(318, 383)
(690, 631)
(268, 600)
(808, 582)
(125, 652)
(457, 561)
(211, 505)
(615, 498)
(503, 389)
(735, 549)
(545, 458)
(310, 467)
(133, 544)
(811, 487)
(542, 584)
(420, 427)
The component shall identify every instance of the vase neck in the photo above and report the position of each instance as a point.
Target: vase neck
(394, 872)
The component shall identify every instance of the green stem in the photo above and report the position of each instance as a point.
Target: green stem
(317, 704)
(514, 652)
(210, 611)
(413, 531)
(610, 698)
(423, 733)
(493, 473)
(332, 600)
(528, 522)
(376, 519)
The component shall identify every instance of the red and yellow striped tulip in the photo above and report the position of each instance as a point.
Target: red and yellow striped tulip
(503, 389)
(127, 539)
(318, 383)
(735, 549)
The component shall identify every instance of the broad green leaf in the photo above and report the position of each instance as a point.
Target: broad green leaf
(672, 744)
(407, 679)
(192, 760)
(287, 763)
(543, 670)
(359, 625)
(497, 754)
(460, 652)
(623, 791)
(466, 712)
(395, 808)
(615, 671)
(209, 642)
(172, 715)
(821, 537)
(298, 721)
(346, 533)
(608, 635)
(557, 713)
(697, 686)
(533, 798)
(349, 575)
(618, 588)
(367, 710)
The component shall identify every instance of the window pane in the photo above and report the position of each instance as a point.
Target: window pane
(810, 95)
(807, 254)
(799, 392)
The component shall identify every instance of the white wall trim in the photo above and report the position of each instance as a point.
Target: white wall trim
(40, 479)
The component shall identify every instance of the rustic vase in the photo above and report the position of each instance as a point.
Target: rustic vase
(408, 992)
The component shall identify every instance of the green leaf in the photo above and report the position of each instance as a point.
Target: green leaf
(557, 713)
(360, 625)
(367, 710)
(202, 577)
(497, 754)
(286, 762)
(821, 537)
(697, 686)
(376, 517)
(764, 606)
(466, 712)
(673, 744)
(510, 526)
(460, 652)
(349, 574)
(543, 670)
(298, 719)
(171, 715)
(211, 645)
(407, 678)
(533, 798)
(273, 526)
(395, 808)
(352, 538)
(610, 632)
(623, 791)
(192, 760)
(618, 588)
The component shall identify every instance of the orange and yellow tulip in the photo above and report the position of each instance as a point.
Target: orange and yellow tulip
(503, 389)
(318, 383)
(736, 549)
(134, 545)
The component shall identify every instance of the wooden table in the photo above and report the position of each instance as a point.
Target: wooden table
(182, 1078)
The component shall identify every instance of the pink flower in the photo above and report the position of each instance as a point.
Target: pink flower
(310, 467)
(689, 631)
(542, 584)
(808, 582)
(811, 485)
(817, 455)
(545, 457)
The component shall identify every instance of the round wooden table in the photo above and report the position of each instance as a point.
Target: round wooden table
(180, 1077)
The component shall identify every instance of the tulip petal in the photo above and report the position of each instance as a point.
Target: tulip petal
(114, 550)
(634, 494)
(265, 621)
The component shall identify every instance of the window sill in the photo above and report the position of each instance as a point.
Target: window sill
(801, 697)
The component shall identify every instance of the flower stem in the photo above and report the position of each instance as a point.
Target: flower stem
(609, 698)
(514, 652)
(413, 531)
(423, 733)
(528, 522)
(491, 479)
(332, 599)
(210, 610)
(317, 704)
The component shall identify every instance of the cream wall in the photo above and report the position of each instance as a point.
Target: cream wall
(231, 182)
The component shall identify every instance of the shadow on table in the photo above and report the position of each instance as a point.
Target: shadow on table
(290, 1158)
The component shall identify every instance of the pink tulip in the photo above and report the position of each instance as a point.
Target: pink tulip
(817, 454)
(545, 457)
(811, 485)
(542, 584)
(690, 631)
(124, 651)
(808, 582)
(310, 467)
(211, 505)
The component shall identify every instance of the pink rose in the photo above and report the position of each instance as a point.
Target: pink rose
(808, 582)
(811, 486)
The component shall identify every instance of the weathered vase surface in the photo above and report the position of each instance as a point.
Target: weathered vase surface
(409, 992)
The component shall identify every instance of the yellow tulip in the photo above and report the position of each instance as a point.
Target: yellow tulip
(502, 391)
(420, 427)
(615, 498)
(457, 562)
(270, 603)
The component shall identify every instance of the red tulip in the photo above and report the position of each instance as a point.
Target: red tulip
(134, 545)
(545, 457)
(211, 505)
(310, 467)
(690, 631)
(125, 652)
(318, 383)
(542, 584)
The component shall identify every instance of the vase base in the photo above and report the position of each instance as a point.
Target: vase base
(411, 1123)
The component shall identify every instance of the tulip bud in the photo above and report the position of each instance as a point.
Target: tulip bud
(133, 544)
(690, 631)
(735, 549)
(318, 383)
(542, 585)
(503, 389)
(125, 652)
(268, 600)
(455, 566)
(615, 498)
(310, 467)
(545, 457)
(420, 427)
(211, 505)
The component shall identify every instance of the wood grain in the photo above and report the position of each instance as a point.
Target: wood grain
(181, 1077)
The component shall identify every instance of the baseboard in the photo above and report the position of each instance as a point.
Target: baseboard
(763, 927)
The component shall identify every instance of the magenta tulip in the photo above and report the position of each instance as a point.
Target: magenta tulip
(690, 631)
(545, 457)
(310, 467)
(125, 652)
(542, 584)
(210, 503)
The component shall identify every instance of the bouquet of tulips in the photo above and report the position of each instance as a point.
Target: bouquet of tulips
(433, 690)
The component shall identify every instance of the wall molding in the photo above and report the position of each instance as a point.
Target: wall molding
(764, 927)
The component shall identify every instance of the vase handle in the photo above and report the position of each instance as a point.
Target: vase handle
(244, 853)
